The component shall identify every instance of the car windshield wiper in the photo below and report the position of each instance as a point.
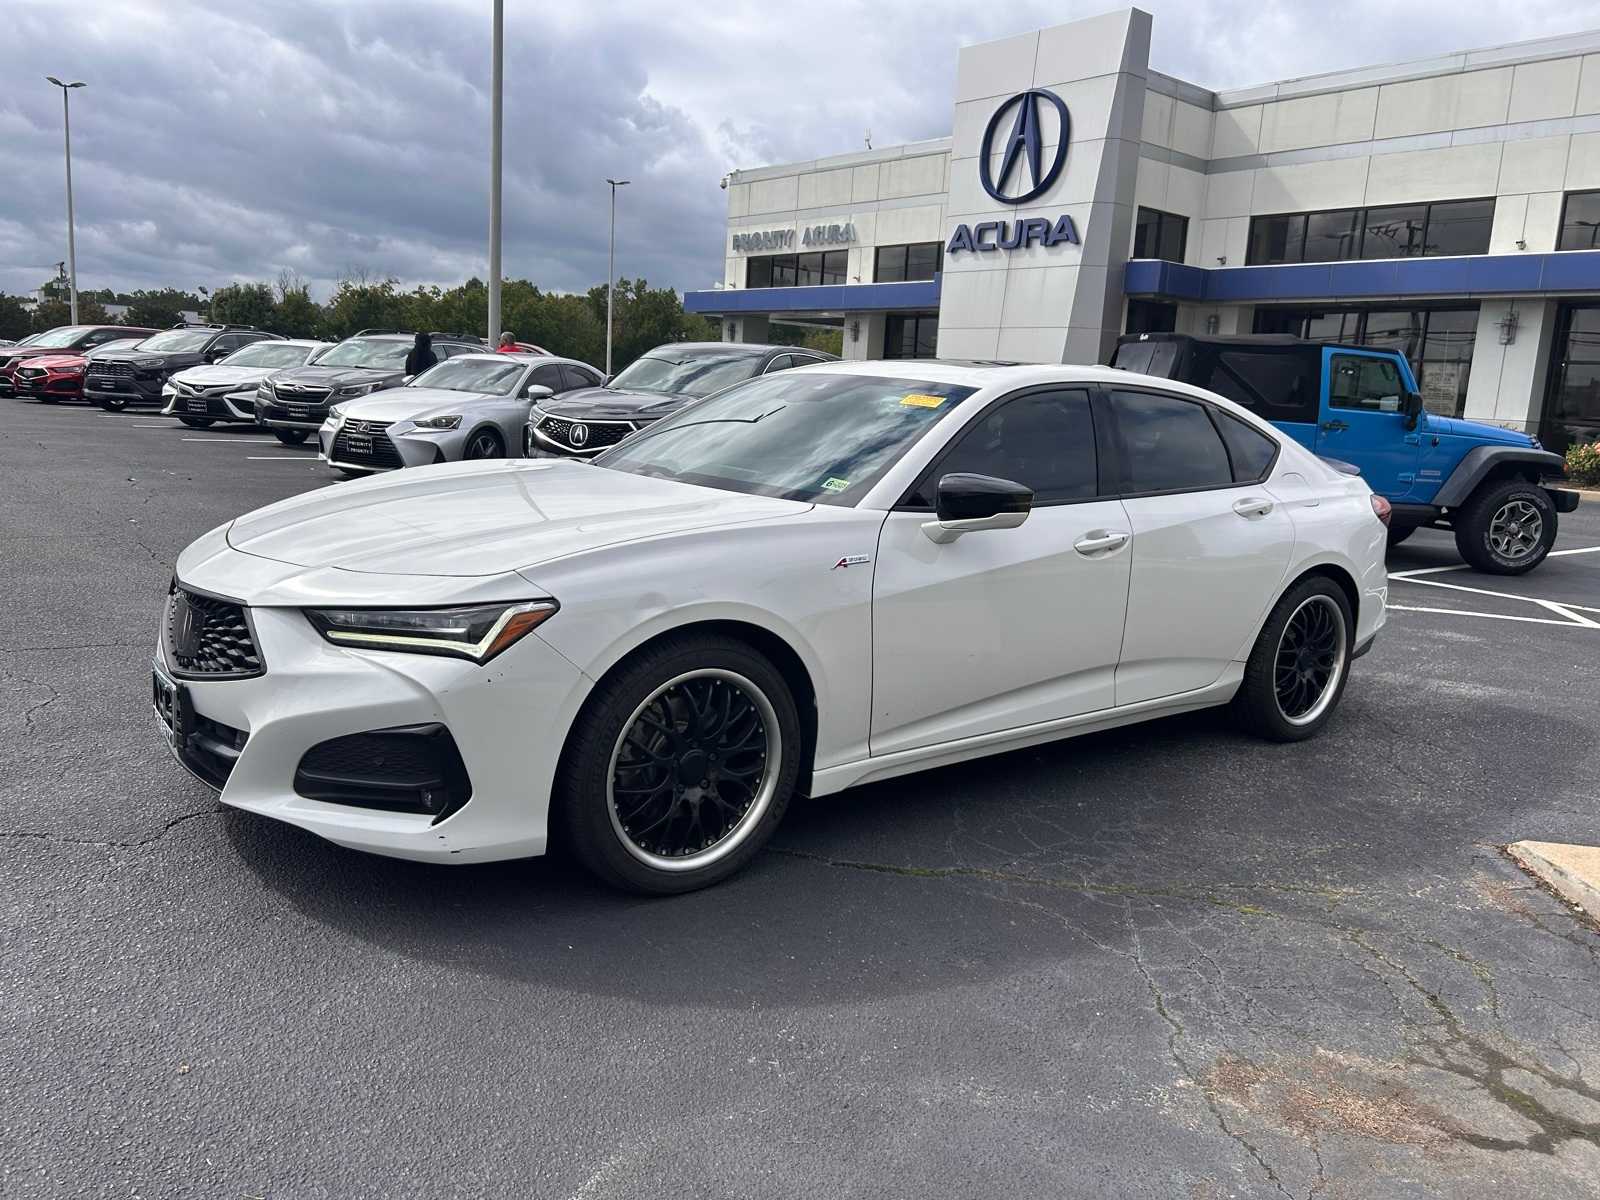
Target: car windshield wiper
(730, 420)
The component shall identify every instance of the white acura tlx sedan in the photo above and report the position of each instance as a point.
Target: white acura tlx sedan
(815, 579)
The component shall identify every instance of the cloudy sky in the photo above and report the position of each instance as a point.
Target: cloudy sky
(232, 140)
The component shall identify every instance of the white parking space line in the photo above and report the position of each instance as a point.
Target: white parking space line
(224, 441)
(1570, 615)
(277, 458)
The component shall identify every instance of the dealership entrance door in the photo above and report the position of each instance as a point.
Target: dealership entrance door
(1572, 408)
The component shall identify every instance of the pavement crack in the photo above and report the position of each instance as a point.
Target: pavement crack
(67, 840)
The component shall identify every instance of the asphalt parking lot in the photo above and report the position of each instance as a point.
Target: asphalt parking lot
(1166, 961)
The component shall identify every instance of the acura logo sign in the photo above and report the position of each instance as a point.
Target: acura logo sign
(1025, 143)
(578, 435)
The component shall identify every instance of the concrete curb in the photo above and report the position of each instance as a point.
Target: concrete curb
(1573, 871)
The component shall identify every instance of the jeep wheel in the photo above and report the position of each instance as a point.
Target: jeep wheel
(1506, 528)
(291, 437)
(196, 422)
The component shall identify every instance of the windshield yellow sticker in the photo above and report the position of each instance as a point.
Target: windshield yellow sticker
(922, 400)
(835, 485)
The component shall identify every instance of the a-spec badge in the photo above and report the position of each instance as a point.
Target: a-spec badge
(852, 560)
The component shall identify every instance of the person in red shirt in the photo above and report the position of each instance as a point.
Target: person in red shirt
(508, 343)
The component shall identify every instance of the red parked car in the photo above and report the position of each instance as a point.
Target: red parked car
(50, 378)
(62, 339)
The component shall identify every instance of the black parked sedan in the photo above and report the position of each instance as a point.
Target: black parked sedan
(589, 420)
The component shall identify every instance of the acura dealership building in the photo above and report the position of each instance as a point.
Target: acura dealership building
(1449, 207)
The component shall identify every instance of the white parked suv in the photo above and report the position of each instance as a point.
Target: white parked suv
(815, 579)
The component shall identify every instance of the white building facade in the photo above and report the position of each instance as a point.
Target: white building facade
(1449, 207)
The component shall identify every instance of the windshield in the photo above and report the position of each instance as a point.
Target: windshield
(364, 352)
(821, 438)
(473, 375)
(56, 339)
(267, 354)
(178, 339)
(124, 344)
(1146, 358)
(31, 340)
(686, 374)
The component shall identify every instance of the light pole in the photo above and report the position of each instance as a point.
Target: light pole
(496, 108)
(611, 264)
(72, 250)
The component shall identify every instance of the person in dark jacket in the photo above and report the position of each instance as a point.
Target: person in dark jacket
(422, 356)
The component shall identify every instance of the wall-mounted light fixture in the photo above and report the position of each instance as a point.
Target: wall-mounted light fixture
(1213, 323)
(1222, 260)
(1522, 244)
(1508, 327)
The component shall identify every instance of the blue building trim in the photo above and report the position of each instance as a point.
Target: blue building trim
(1477, 275)
(831, 297)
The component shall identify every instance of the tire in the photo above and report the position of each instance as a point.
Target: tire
(47, 398)
(636, 736)
(113, 403)
(197, 422)
(1399, 533)
(351, 474)
(1506, 528)
(484, 443)
(1313, 679)
(291, 437)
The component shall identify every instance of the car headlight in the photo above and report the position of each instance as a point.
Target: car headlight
(473, 631)
(150, 362)
(535, 414)
(358, 389)
(450, 422)
(72, 370)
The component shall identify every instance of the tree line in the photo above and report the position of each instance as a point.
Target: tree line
(563, 323)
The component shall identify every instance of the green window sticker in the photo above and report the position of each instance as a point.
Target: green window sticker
(834, 484)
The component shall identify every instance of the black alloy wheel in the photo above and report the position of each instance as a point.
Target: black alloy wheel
(484, 444)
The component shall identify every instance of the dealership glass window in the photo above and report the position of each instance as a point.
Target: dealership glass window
(1394, 232)
(911, 335)
(1398, 231)
(1332, 236)
(917, 261)
(1438, 342)
(1460, 227)
(1572, 412)
(1151, 316)
(1276, 239)
(1160, 235)
(1580, 222)
(797, 270)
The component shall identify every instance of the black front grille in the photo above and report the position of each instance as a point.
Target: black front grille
(413, 768)
(376, 451)
(598, 434)
(23, 374)
(198, 404)
(111, 370)
(300, 394)
(208, 636)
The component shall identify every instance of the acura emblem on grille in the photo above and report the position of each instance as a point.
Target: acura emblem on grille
(578, 435)
(185, 630)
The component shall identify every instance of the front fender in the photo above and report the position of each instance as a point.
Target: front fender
(1476, 465)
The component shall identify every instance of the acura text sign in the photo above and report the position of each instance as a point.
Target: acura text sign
(1026, 173)
(785, 239)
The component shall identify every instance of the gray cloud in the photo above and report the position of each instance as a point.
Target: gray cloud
(220, 142)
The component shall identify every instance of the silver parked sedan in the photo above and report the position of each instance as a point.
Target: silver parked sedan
(469, 406)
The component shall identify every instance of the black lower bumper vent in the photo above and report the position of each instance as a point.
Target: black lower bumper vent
(412, 768)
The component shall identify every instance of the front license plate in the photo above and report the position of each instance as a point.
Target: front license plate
(358, 443)
(171, 703)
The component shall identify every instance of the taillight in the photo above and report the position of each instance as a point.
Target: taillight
(1381, 508)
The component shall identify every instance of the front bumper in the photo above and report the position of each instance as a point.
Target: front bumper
(1565, 501)
(508, 719)
(391, 450)
(232, 406)
(137, 391)
(63, 387)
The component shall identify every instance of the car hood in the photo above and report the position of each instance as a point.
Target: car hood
(337, 376)
(613, 404)
(217, 376)
(1456, 427)
(405, 403)
(485, 518)
(58, 359)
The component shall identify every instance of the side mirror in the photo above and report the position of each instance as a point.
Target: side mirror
(405, 379)
(968, 503)
(1411, 405)
(537, 392)
(215, 355)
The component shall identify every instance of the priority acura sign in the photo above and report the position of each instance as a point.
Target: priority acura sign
(785, 239)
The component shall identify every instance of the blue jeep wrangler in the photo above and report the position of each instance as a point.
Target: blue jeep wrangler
(1361, 406)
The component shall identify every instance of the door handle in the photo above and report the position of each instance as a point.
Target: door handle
(1100, 539)
(1334, 426)
(1252, 506)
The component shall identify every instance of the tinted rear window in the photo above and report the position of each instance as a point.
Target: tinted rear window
(1146, 358)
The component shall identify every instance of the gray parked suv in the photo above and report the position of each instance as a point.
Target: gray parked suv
(294, 403)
